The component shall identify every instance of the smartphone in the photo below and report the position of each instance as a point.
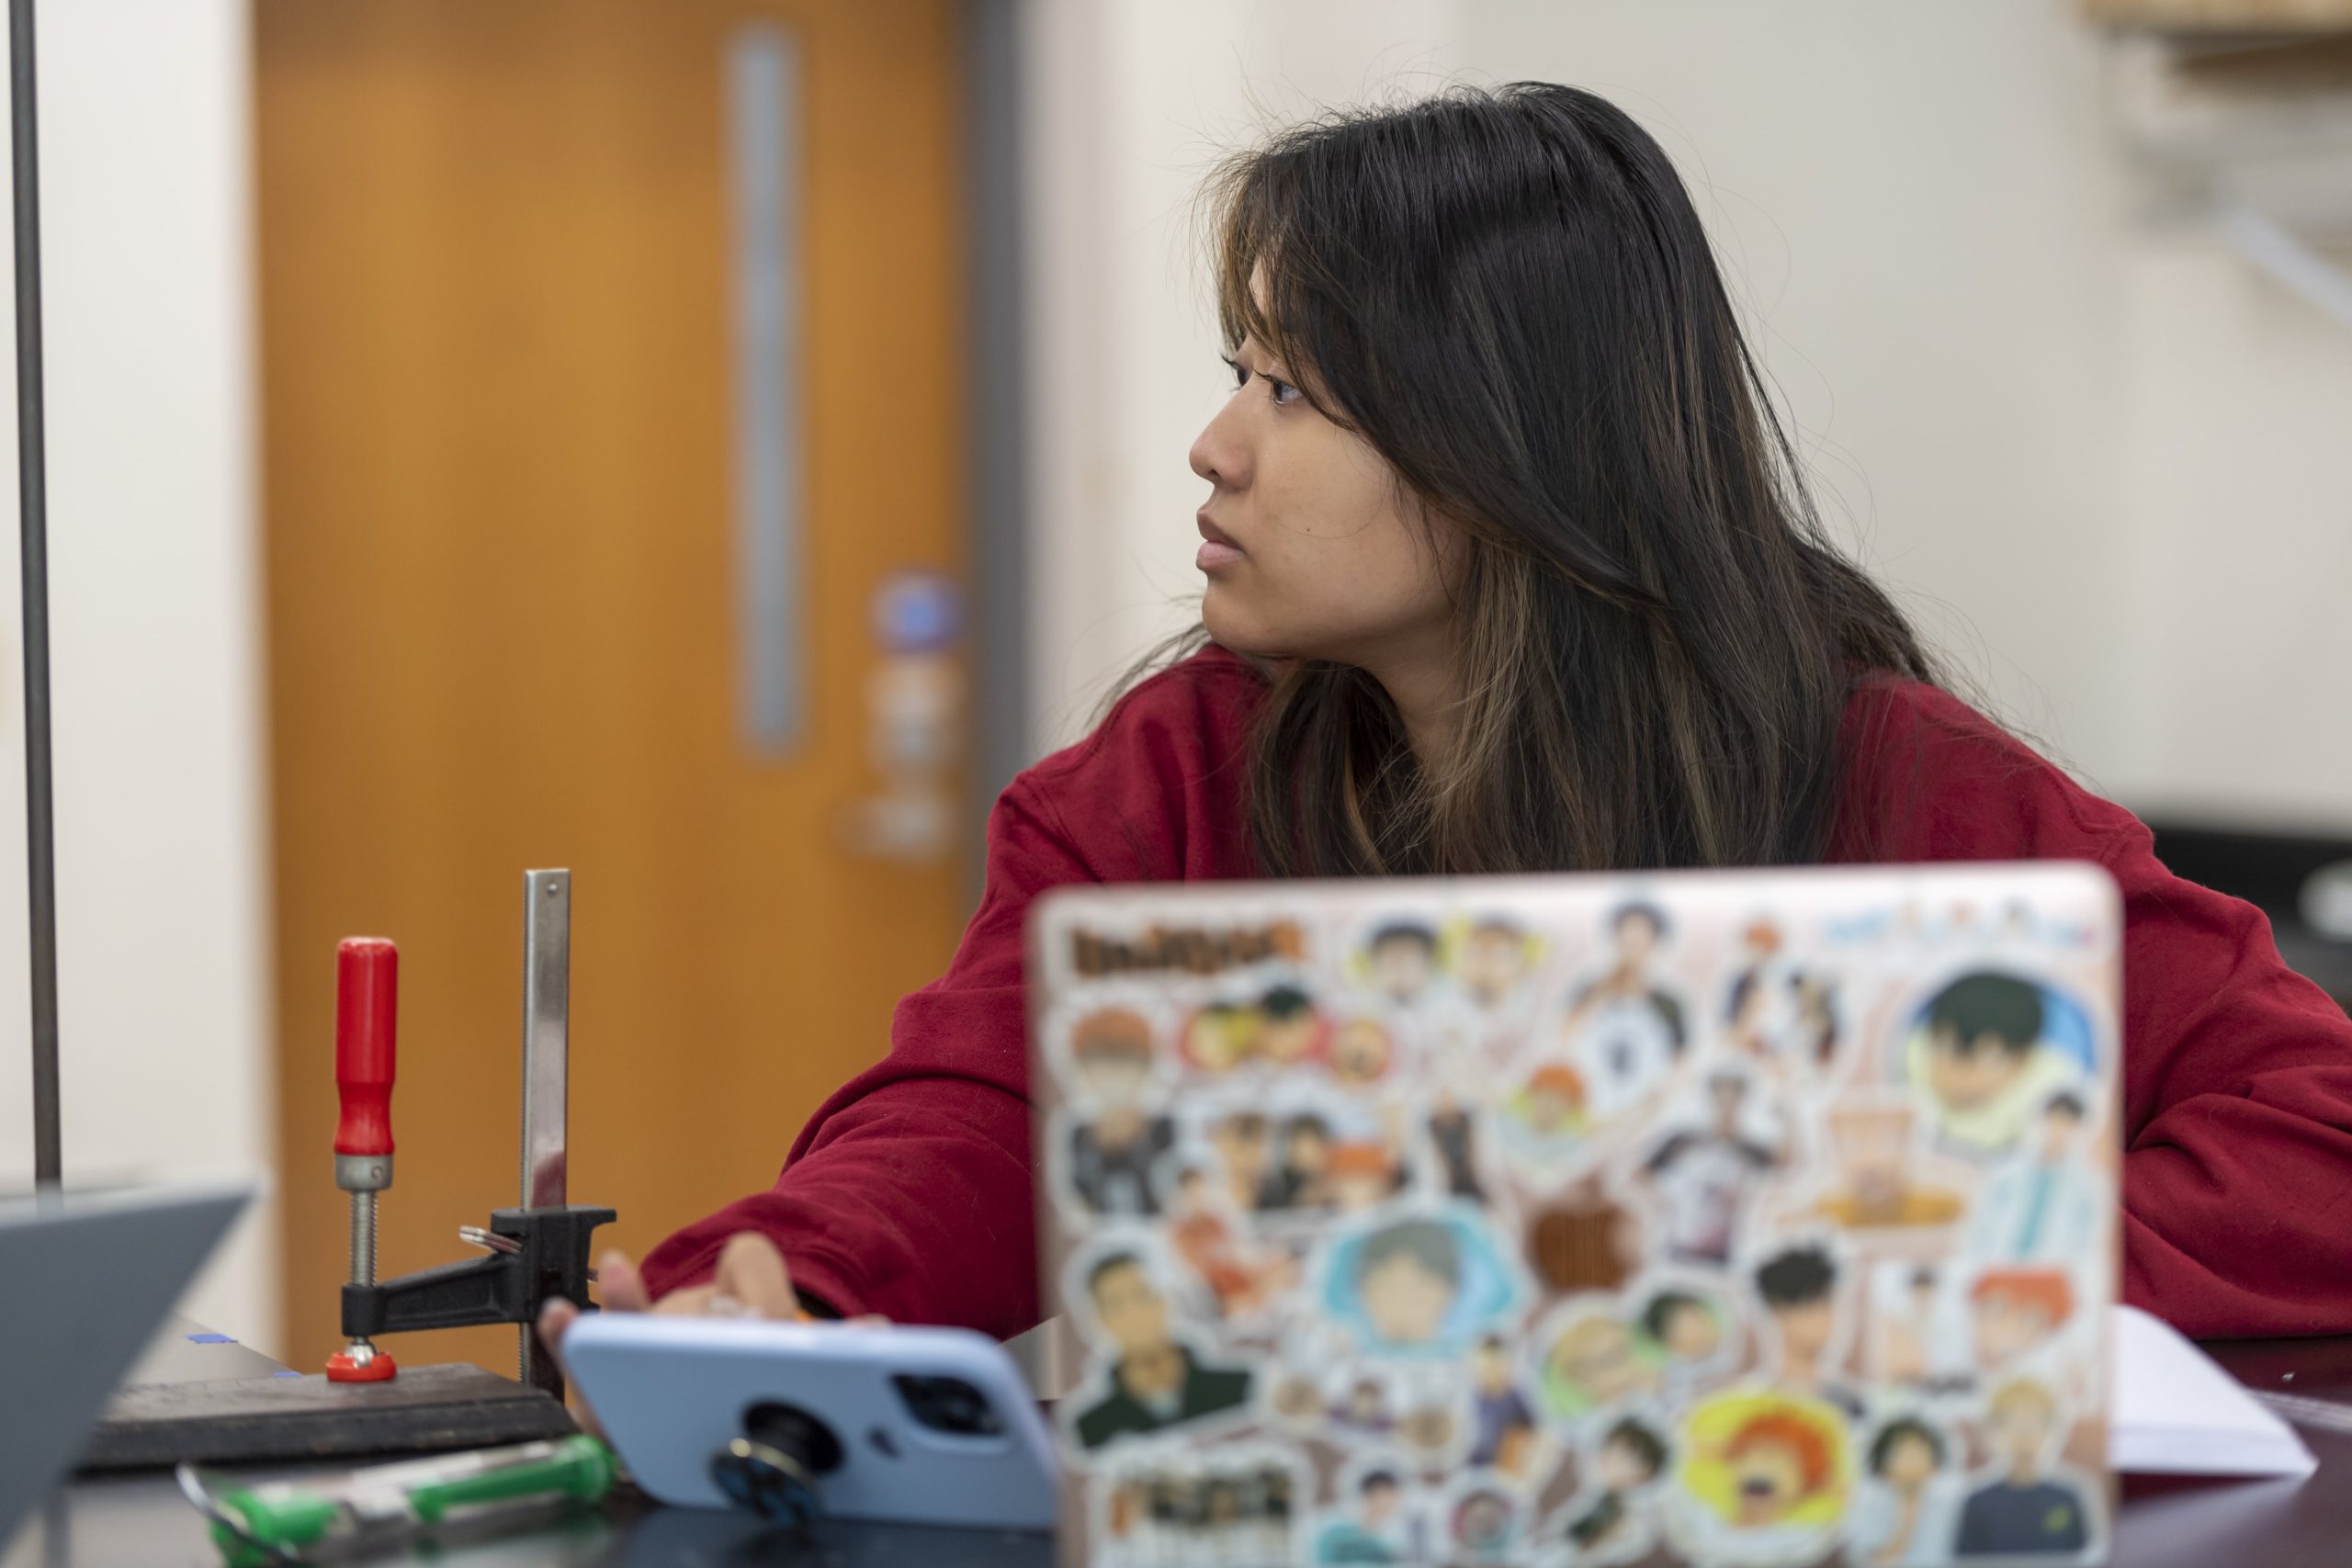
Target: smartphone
(920, 1426)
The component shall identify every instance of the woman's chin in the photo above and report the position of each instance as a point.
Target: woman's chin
(1232, 627)
(1229, 625)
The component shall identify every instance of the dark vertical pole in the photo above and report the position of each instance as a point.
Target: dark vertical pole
(32, 502)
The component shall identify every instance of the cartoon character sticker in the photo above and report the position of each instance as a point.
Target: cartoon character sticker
(1802, 1289)
(1323, 1389)
(1148, 1380)
(1277, 1028)
(1919, 1339)
(1876, 1188)
(1589, 1359)
(1364, 1052)
(1504, 1437)
(1484, 1520)
(1542, 1121)
(2046, 1204)
(1398, 961)
(1422, 1283)
(1492, 959)
(1766, 1477)
(1626, 1029)
(1453, 1136)
(1987, 1051)
(1376, 1516)
(1242, 1277)
(1237, 1502)
(2027, 1506)
(1301, 1158)
(1782, 1018)
(1907, 1508)
(1705, 1175)
(1687, 1333)
(1117, 1147)
(1609, 1521)
(2015, 1312)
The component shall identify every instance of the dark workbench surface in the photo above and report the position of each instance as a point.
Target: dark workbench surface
(140, 1521)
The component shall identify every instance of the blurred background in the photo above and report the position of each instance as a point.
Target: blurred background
(713, 443)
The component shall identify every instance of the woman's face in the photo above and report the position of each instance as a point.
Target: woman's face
(1311, 549)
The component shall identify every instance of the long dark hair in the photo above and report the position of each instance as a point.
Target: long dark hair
(1508, 294)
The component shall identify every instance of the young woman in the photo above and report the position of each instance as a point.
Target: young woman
(1510, 569)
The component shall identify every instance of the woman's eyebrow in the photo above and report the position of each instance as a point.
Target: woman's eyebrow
(1241, 353)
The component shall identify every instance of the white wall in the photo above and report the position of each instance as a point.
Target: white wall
(2239, 490)
(156, 624)
(1132, 103)
(2090, 452)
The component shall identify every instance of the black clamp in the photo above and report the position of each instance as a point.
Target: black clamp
(549, 1260)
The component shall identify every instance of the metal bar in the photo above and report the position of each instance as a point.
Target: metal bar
(32, 506)
(763, 136)
(547, 1061)
(546, 1033)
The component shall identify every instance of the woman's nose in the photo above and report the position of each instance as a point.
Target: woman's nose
(1218, 454)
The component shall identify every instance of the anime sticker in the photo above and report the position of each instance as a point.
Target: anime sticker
(1151, 1379)
(1765, 1477)
(1989, 1049)
(1611, 1518)
(1421, 1284)
(1237, 1502)
(1721, 1218)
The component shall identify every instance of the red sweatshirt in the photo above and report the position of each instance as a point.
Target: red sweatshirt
(909, 1193)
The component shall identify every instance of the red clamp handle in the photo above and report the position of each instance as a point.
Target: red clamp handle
(366, 1004)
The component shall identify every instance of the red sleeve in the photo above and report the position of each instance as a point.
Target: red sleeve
(2237, 1172)
(2237, 1071)
(909, 1192)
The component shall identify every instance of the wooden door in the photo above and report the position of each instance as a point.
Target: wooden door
(497, 275)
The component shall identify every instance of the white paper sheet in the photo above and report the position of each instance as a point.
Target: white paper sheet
(2176, 1412)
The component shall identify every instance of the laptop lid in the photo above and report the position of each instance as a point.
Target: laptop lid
(90, 1275)
(1734, 1217)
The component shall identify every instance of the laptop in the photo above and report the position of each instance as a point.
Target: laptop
(91, 1276)
(1706, 1217)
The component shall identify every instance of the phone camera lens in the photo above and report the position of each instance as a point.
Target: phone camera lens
(950, 1405)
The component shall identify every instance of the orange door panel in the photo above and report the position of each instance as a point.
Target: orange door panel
(499, 277)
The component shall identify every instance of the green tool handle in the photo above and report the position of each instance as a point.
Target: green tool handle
(289, 1519)
(580, 1468)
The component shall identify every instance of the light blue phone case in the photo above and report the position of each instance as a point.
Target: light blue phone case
(672, 1392)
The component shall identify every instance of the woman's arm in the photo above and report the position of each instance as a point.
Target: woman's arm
(2237, 1169)
(909, 1192)
(2237, 1072)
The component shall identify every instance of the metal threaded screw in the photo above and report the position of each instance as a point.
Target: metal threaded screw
(363, 1238)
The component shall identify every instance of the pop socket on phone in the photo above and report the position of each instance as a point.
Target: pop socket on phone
(773, 1469)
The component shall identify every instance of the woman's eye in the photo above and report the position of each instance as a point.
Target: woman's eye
(1283, 392)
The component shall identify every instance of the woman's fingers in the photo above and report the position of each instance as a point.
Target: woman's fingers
(752, 1278)
(555, 1318)
(619, 1287)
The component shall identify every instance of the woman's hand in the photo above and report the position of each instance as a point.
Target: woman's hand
(750, 1281)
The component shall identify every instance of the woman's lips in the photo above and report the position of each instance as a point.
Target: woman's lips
(1217, 549)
